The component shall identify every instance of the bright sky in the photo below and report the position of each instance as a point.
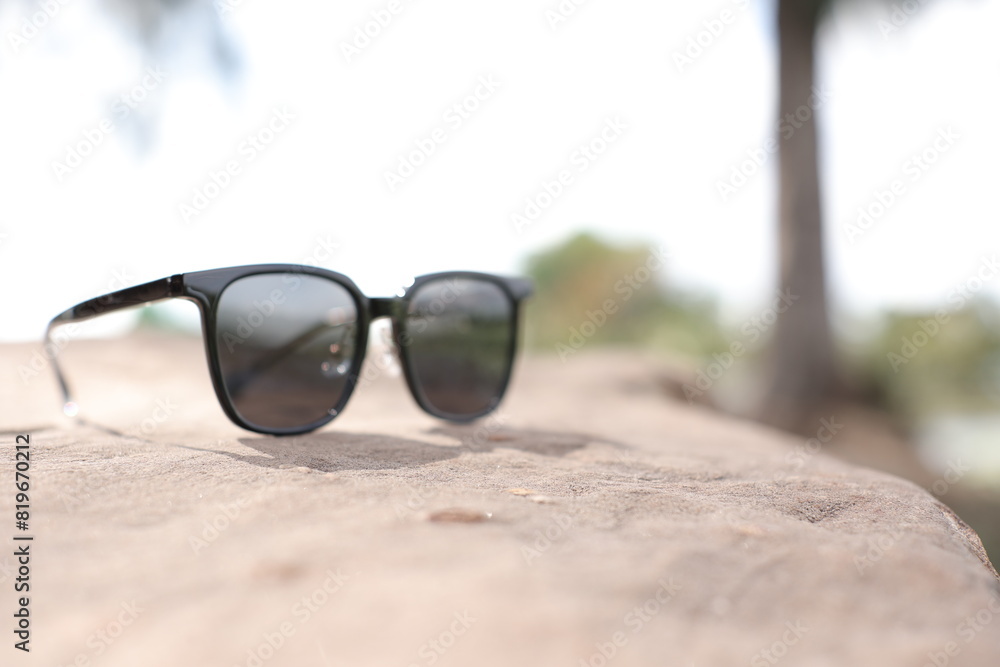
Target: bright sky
(336, 127)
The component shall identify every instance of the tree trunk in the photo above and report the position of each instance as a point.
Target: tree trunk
(803, 377)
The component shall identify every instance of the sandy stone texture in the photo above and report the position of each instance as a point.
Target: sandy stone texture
(593, 521)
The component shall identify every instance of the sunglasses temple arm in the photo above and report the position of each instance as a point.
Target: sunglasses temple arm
(157, 290)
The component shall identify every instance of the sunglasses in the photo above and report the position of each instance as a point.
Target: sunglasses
(286, 343)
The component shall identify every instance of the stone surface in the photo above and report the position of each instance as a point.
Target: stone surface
(595, 515)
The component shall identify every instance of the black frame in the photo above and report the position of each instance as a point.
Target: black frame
(205, 287)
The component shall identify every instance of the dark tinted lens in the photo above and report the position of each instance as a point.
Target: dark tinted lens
(458, 339)
(286, 346)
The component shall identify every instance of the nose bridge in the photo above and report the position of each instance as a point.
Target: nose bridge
(382, 307)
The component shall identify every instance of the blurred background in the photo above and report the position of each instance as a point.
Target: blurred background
(625, 155)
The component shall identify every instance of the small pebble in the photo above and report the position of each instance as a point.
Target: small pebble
(276, 571)
(521, 492)
(458, 515)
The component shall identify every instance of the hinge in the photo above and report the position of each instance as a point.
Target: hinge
(177, 285)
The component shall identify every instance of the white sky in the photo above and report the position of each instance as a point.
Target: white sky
(322, 177)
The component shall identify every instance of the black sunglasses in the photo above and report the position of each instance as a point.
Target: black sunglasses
(286, 343)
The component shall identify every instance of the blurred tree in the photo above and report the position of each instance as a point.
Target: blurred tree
(589, 291)
(924, 365)
(176, 35)
(803, 373)
(803, 377)
(154, 24)
(164, 29)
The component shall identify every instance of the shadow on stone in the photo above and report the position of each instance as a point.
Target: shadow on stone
(333, 452)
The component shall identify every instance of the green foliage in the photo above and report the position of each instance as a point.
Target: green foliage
(153, 318)
(585, 281)
(921, 364)
(912, 364)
